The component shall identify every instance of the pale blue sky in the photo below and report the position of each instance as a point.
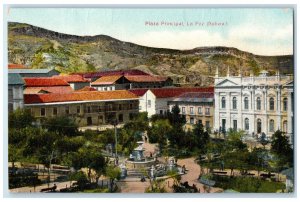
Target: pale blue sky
(265, 31)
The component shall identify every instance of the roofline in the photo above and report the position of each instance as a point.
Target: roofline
(76, 102)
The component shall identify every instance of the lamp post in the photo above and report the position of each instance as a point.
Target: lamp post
(115, 123)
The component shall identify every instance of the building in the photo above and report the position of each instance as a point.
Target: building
(75, 81)
(43, 85)
(34, 72)
(93, 76)
(148, 81)
(111, 82)
(198, 107)
(156, 100)
(255, 104)
(92, 108)
(119, 82)
(15, 92)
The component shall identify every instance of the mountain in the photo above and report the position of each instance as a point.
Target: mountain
(41, 48)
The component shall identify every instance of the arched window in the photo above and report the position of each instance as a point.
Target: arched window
(246, 103)
(223, 103)
(285, 104)
(234, 103)
(258, 104)
(258, 126)
(271, 125)
(246, 124)
(271, 103)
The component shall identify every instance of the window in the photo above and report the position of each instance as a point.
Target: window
(199, 110)
(207, 111)
(258, 104)
(235, 125)
(234, 103)
(67, 110)
(223, 103)
(105, 88)
(88, 109)
(192, 120)
(285, 104)
(161, 112)
(149, 103)
(43, 111)
(120, 107)
(120, 118)
(130, 106)
(246, 124)
(246, 103)
(191, 110)
(54, 112)
(271, 125)
(207, 125)
(78, 109)
(183, 110)
(271, 103)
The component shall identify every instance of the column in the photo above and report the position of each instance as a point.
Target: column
(217, 110)
(278, 110)
(289, 115)
(228, 109)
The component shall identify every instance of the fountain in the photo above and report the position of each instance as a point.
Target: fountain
(137, 160)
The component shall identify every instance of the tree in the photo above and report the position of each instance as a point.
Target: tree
(201, 137)
(113, 173)
(63, 125)
(90, 158)
(159, 131)
(20, 118)
(282, 148)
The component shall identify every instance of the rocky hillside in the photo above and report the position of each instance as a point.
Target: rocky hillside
(41, 48)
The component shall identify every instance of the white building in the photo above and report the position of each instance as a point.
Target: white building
(255, 104)
(156, 100)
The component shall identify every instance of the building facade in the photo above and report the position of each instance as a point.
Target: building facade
(156, 100)
(87, 108)
(197, 107)
(15, 92)
(255, 104)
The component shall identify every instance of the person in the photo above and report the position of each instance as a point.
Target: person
(183, 168)
(54, 187)
(146, 139)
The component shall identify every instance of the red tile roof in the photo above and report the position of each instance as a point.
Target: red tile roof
(139, 92)
(50, 89)
(79, 96)
(71, 78)
(86, 88)
(106, 80)
(42, 81)
(173, 92)
(17, 66)
(145, 78)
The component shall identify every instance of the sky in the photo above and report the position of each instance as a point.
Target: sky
(262, 31)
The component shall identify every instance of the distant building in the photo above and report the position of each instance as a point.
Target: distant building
(93, 76)
(111, 82)
(75, 81)
(46, 85)
(255, 104)
(198, 107)
(118, 82)
(34, 72)
(91, 108)
(156, 100)
(15, 92)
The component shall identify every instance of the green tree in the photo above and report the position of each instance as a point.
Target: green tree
(62, 125)
(282, 148)
(113, 173)
(20, 118)
(201, 137)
